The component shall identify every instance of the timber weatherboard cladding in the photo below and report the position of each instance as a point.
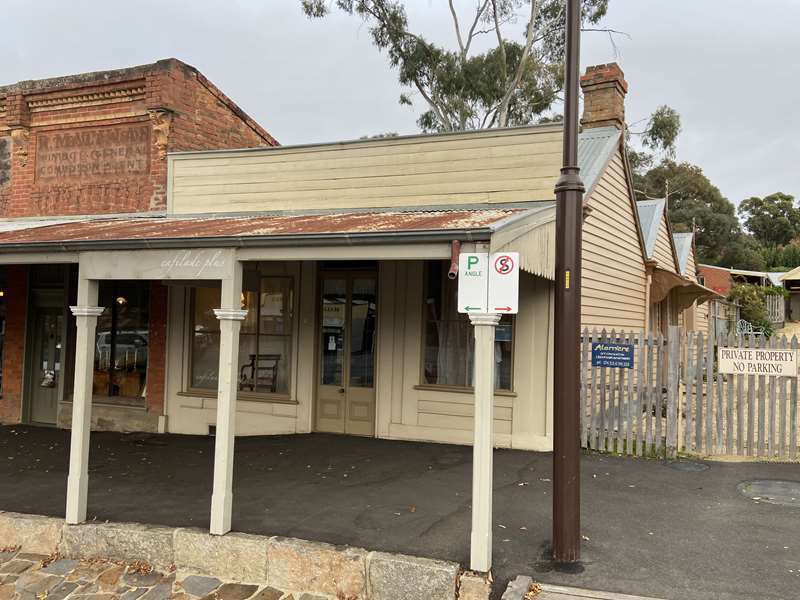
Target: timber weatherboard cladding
(663, 251)
(508, 165)
(614, 278)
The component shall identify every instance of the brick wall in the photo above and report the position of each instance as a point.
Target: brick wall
(157, 348)
(14, 346)
(718, 279)
(97, 143)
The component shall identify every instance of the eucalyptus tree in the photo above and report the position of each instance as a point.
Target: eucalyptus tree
(507, 82)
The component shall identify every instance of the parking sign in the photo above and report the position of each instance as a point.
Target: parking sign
(504, 283)
(473, 282)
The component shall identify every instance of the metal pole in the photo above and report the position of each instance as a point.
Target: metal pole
(569, 217)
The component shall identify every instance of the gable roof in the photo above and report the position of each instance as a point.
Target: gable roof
(683, 248)
(596, 147)
(650, 214)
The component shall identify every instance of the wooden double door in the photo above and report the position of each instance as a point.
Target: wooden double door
(346, 345)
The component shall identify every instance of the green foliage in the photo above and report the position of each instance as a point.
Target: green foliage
(752, 304)
(693, 202)
(511, 83)
(773, 220)
(782, 258)
(662, 130)
(744, 252)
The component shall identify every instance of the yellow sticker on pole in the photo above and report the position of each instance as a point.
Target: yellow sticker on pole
(566, 280)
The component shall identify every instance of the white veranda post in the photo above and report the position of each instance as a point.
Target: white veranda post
(483, 444)
(230, 317)
(86, 313)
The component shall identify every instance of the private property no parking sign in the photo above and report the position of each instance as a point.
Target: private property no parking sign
(488, 283)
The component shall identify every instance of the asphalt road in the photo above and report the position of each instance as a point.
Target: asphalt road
(649, 528)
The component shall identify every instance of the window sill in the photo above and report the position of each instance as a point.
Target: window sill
(242, 397)
(459, 389)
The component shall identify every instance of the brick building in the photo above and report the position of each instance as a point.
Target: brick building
(96, 144)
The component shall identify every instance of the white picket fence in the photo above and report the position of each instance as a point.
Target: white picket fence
(674, 400)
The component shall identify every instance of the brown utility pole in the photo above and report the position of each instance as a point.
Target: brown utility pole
(569, 221)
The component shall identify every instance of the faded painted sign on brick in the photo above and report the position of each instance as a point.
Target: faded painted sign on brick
(757, 361)
(92, 152)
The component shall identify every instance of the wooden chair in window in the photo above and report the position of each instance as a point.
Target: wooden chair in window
(260, 373)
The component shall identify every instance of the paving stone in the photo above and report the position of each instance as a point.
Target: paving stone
(139, 580)
(268, 593)
(162, 591)
(198, 585)
(87, 571)
(15, 567)
(62, 566)
(36, 583)
(6, 556)
(232, 591)
(311, 597)
(110, 578)
(133, 594)
(4, 579)
(317, 568)
(32, 556)
(394, 576)
(179, 596)
(62, 590)
(94, 597)
(7, 591)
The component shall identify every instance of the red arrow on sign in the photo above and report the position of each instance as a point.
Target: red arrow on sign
(503, 308)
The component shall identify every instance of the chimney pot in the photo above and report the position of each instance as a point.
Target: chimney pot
(604, 89)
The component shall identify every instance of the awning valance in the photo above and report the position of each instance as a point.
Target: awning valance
(686, 291)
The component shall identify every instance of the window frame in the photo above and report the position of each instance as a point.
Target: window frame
(443, 387)
(253, 396)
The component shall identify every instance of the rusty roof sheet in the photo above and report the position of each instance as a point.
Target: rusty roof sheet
(143, 228)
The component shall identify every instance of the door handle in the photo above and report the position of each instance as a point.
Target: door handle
(342, 390)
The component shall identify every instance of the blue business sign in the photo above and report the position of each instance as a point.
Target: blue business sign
(607, 354)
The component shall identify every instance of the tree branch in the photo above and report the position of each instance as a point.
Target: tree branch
(458, 29)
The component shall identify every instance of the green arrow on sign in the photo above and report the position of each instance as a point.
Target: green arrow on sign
(472, 308)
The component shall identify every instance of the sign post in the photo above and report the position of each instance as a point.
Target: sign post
(488, 287)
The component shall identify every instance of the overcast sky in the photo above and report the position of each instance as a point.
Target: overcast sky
(728, 66)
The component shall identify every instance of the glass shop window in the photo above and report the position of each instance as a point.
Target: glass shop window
(265, 338)
(121, 340)
(448, 353)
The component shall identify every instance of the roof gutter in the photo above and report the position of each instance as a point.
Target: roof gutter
(250, 241)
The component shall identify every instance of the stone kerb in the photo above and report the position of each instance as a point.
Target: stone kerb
(285, 563)
(32, 533)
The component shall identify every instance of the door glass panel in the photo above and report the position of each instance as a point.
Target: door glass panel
(334, 310)
(362, 333)
(49, 359)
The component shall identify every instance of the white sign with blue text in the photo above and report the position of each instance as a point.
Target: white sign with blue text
(488, 283)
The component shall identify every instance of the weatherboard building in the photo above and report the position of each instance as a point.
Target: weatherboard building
(155, 280)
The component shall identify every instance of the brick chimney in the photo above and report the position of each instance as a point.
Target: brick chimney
(604, 88)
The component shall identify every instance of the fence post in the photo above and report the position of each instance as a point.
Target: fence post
(674, 339)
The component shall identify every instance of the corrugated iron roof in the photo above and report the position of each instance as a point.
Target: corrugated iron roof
(650, 213)
(154, 229)
(595, 149)
(683, 247)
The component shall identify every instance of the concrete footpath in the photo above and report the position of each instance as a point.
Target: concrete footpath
(524, 588)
